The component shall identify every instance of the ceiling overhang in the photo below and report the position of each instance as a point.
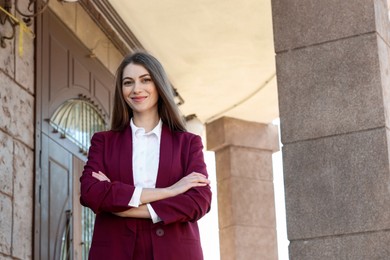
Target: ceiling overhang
(219, 55)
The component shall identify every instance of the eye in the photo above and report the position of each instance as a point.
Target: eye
(127, 83)
(146, 80)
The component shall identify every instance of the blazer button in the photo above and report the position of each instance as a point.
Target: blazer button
(160, 232)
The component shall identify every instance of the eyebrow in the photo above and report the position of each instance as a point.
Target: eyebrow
(142, 76)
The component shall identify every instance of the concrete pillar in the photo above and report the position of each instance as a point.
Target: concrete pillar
(332, 61)
(246, 206)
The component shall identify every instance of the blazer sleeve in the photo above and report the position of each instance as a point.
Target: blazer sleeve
(193, 204)
(98, 195)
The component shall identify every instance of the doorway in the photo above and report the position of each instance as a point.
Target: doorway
(64, 71)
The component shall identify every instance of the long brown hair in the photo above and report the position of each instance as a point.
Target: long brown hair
(167, 108)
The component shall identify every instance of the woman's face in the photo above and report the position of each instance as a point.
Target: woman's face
(139, 90)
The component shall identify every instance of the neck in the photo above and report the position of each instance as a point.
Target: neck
(148, 122)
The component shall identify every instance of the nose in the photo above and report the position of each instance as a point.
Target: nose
(137, 87)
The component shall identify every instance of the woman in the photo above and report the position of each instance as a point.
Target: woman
(145, 179)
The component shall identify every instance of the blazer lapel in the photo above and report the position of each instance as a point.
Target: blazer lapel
(166, 157)
(126, 157)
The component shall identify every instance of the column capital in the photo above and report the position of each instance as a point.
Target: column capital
(227, 131)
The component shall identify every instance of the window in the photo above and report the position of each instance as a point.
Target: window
(77, 120)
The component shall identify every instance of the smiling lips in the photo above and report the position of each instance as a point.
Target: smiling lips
(139, 98)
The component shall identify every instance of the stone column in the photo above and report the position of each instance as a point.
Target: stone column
(332, 61)
(246, 206)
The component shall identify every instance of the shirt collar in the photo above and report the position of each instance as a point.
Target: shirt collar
(136, 131)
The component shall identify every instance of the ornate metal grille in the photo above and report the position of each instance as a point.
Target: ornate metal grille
(77, 120)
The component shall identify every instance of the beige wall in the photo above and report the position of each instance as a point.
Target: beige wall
(81, 24)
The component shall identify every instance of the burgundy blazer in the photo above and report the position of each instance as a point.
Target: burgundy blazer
(177, 235)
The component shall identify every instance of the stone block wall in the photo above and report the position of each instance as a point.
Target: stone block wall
(17, 109)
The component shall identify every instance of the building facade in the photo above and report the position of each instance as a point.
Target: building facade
(333, 79)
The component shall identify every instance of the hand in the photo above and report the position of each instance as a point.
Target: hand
(100, 176)
(194, 179)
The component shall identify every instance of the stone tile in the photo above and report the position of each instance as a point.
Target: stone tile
(24, 62)
(234, 161)
(361, 246)
(330, 89)
(5, 224)
(246, 202)
(6, 167)
(7, 64)
(248, 242)
(300, 23)
(17, 111)
(337, 185)
(229, 131)
(5, 99)
(23, 201)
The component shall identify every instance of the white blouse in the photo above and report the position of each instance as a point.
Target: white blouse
(146, 158)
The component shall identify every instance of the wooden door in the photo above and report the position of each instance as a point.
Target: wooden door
(64, 71)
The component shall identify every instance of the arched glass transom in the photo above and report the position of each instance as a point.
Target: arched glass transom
(77, 120)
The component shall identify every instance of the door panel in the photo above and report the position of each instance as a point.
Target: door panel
(58, 80)
(56, 197)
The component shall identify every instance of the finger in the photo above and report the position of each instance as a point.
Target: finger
(200, 177)
(195, 175)
(98, 173)
(199, 184)
(199, 174)
(96, 176)
(205, 182)
(102, 174)
(198, 180)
